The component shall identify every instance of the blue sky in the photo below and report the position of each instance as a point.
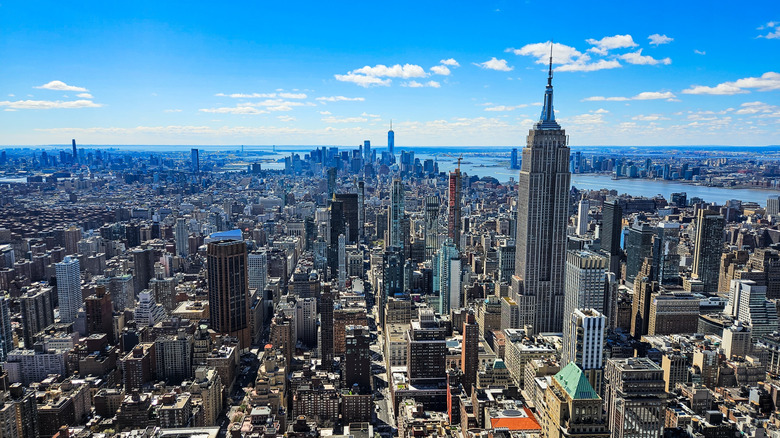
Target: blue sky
(446, 73)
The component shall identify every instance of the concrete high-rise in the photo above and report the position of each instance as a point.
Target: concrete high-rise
(258, 270)
(634, 397)
(611, 230)
(68, 288)
(582, 217)
(542, 216)
(326, 326)
(228, 284)
(708, 249)
(182, 235)
(357, 358)
(572, 407)
(37, 312)
(585, 281)
(453, 206)
(6, 335)
(583, 344)
(432, 206)
(446, 277)
(396, 215)
(469, 357)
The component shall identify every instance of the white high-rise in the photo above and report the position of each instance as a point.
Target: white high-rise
(69, 288)
(182, 235)
(342, 252)
(748, 303)
(583, 344)
(258, 270)
(148, 312)
(582, 217)
(446, 277)
(585, 281)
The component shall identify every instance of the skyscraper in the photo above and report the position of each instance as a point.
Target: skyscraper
(182, 237)
(446, 277)
(583, 343)
(361, 196)
(432, 205)
(582, 217)
(37, 312)
(572, 407)
(611, 230)
(542, 215)
(351, 214)
(258, 270)
(195, 164)
(709, 246)
(6, 335)
(228, 283)
(453, 206)
(585, 281)
(75, 153)
(469, 357)
(357, 357)
(396, 215)
(391, 139)
(326, 326)
(513, 159)
(634, 397)
(367, 151)
(68, 288)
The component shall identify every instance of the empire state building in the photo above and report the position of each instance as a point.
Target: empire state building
(542, 215)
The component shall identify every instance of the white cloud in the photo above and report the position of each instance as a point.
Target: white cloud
(656, 39)
(649, 117)
(332, 119)
(451, 62)
(440, 70)
(645, 95)
(50, 104)
(639, 59)
(363, 81)
(495, 64)
(505, 108)
(699, 52)
(286, 118)
(396, 71)
(340, 99)
(241, 109)
(601, 64)
(562, 54)
(587, 119)
(767, 82)
(60, 86)
(415, 84)
(85, 96)
(365, 114)
(608, 43)
(772, 35)
(172, 111)
(755, 108)
(601, 111)
(325, 113)
(263, 95)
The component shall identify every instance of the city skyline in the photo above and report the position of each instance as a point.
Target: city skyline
(466, 75)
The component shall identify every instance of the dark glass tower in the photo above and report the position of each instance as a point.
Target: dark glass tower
(229, 289)
(542, 214)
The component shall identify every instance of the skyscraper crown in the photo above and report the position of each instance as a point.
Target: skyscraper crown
(547, 119)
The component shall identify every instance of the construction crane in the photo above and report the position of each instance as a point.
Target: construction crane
(460, 158)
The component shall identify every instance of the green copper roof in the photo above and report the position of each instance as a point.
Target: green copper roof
(573, 380)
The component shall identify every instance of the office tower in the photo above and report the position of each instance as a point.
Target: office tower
(513, 159)
(75, 153)
(357, 358)
(326, 326)
(195, 161)
(350, 210)
(173, 354)
(37, 312)
(469, 352)
(361, 194)
(611, 230)
(583, 344)
(342, 262)
(426, 348)
(391, 140)
(573, 408)
(182, 237)
(68, 288)
(6, 335)
(708, 248)
(506, 260)
(367, 151)
(396, 215)
(644, 289)
(676, 369)
(337, 227)
(99, 313)
(143, 268)
(748, 303)
(453, 206)
(446, 277)
(432, 206)
(148, 312)
(773, 205)
(582, 217)
(228, 284)
(673, 313)
(679, 199)
(585, 281)
(737, 340)
(258, 270)
(639, 245)
(306, 321)
(72, 237)
(634, 397)
(665, 255)
(393, 271)
(542, 216)
(331, 182)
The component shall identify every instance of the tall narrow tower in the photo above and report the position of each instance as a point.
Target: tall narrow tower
(228, 282)
(391, 139)
(542, 214)
(453, 206)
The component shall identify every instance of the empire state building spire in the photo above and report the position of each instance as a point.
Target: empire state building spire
(547, 119)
